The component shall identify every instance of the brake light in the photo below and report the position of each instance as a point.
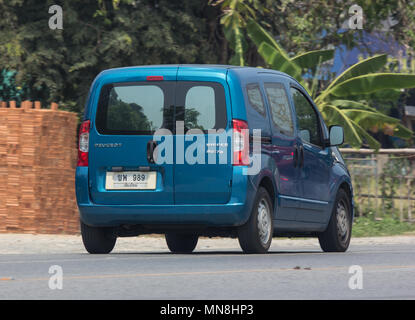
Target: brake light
(155, 78)
(83, 144)
(240, 143)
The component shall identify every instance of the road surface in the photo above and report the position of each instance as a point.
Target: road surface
(292, 270)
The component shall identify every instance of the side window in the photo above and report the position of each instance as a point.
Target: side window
(308, 121)
(279, 107)
(255, 98)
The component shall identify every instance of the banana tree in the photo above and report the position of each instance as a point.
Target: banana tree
(235, 15)
(335, 101)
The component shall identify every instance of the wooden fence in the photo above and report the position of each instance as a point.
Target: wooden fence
(383, 181)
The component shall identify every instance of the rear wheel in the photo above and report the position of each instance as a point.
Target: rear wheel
(99, 240)
(337, 236)
(255, 236)
(181, 243)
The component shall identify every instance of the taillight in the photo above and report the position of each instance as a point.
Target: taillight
(83, 144)
(240, 143)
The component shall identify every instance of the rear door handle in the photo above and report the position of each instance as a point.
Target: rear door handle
(151, 145)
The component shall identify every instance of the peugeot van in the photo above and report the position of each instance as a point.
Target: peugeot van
(209, 150)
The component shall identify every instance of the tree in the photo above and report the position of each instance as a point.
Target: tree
(8, 88)
(235, 15)
(60, 65)
(357, 117)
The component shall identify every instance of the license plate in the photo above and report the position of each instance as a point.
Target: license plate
(131, 180)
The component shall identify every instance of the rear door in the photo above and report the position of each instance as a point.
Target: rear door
(203, 168)
(128, 114)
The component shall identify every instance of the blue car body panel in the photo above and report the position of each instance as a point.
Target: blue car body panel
(213, 195)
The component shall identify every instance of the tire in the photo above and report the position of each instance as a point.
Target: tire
(255, 236)
(337, 236)
(181, 243)
(98, 240)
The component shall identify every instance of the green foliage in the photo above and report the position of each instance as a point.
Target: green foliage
(60, 65)
(303, 26)
(9, 90)
(369, 65)
(235, 14)
(276, 57)
(369, 83)
(312, 59)
(233, 23)
(275, 60)
(357, 80)
(311, 25)
(390, 180)
(271, 52)
(388, 226)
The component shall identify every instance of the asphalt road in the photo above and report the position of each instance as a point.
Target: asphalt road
(388, 272)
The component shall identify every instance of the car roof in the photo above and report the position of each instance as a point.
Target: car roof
(124, 72)
(241, 71)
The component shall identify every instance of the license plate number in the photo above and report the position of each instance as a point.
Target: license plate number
(131, 180)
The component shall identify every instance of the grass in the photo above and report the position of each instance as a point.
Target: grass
(369, 227)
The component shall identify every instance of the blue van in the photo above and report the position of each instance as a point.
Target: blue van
(207, 117)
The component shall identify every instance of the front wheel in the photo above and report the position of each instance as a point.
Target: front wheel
(98, 240)
(181, 243)
(255, 236)
(337, 236)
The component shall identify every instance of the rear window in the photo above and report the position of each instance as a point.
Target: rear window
(201, 105)
(200, 100)
(133, 108)
(142, 108)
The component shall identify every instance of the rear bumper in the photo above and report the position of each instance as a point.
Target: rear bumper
(235, 212)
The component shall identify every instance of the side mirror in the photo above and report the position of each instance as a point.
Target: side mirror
(336, 135)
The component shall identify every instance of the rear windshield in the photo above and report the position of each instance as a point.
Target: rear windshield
(144, 107)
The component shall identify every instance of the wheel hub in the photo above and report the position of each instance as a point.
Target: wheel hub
(264, 222)
(342, 221)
